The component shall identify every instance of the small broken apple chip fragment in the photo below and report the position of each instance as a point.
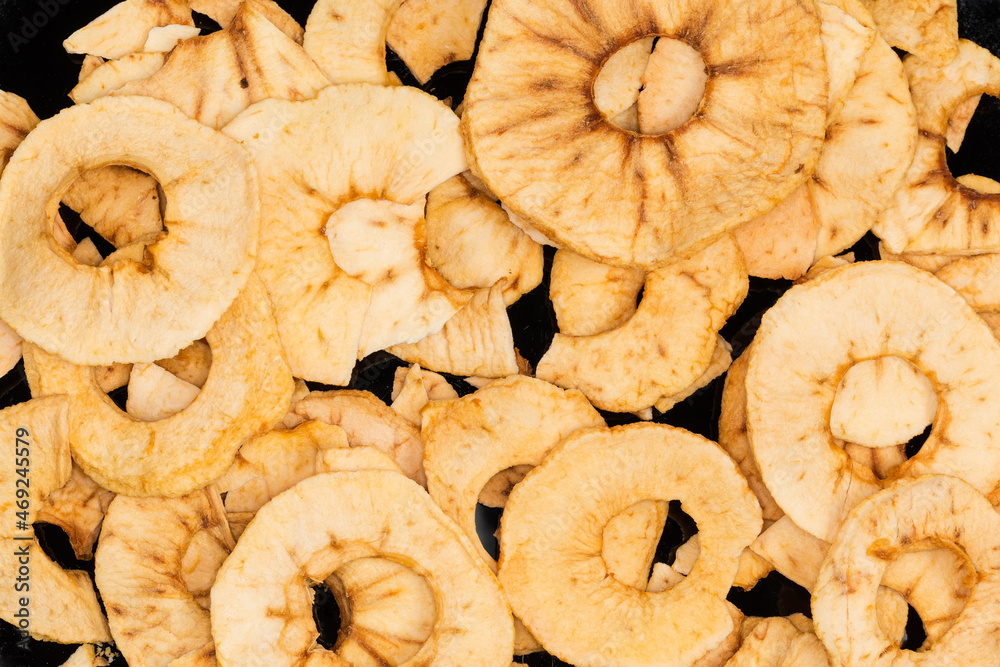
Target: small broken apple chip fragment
(246, 394)
(16, 121)
(779, 642)
(114, 74)
(155, 393)
(669, 340)
(428, 34)
(313, 157)
(476, 341)
(383, 244)
(367, 421)
(415, 387)
(539, 141)
(261, 601)
(155, 566)
(930, 508)
(224, 12)
(551, 542)
(78, 508)
(932, 212)
(123, 29)
(473, 244)
(861, 312)
(64, 607)
(94, 315)
(121, 204)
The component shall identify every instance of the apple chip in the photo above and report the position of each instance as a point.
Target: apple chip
(214, 78)
(959, 121)
(191, 364)
(383, 244)
(307, 172)
(472, 243)
(414, 387)
(368, 421)
(261, 602)
(347, 39)
(551, 565)
(673, 86)
(90, 63)
(476, 341)
(722, 357)
(224, 11)
(389, 611)
(114, 74)
(542, 145)
(78, 508)
(95, 313)
(860, 312)
(589, 297)
(870, 141)
(123, 29)
(751, 569)
(926, 28)
(931, 211)
(617, 85)
(64, 607)
(163, 39)
(780, 642)
(428, 34)
(155, 566)
(932, 508)
(975, 278)
(670, 337)
(246, 394)
(120, 203)
(155, 393)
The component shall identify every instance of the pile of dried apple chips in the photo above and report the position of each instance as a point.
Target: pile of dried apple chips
(268, 205)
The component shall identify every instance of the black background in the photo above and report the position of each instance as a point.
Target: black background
(34, 66)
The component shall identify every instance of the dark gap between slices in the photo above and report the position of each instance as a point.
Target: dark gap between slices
(327, 615)
(914, 635)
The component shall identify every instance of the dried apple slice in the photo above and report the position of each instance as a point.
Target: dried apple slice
(619, 82)
(246, 394)
(472, 242)
(551, 565)
(158, 607)
(121, 204)
(123, 29)
(778, 641)
(112, 75)
(672, 334)
(198, 269)
(428, 34)
(261, 603)
(16, 121)
(857, 313)
(927, 28)
(224, 11)
(155, 393)
(78, 508)
(539, 141)
(931, 211)
(414, 387)
(589, 297)
(929, 508)
(319, 308)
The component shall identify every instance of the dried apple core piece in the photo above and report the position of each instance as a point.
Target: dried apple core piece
(883, 402)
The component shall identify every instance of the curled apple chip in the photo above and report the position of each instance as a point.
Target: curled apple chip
(246, 394)
(261, 601)
(540, 142)
(214, 78)
(932, 212)
(123, 29)
(926, 28)
(163, 39)
(476, 341)
(155, 566)
(722, 357)
(368, 421)
(472, 243)
(589, 297)
(307, 172)
(384, 245)
(926, 509)
(670, 337)
(87, 67)
(428, 34)
(347, 39)
(94, 314)
(857, 313)
(551, 565)
(112, 75)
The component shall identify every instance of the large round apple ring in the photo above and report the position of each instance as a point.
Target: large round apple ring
(261, 602)
(95, 315)
(809, 340)
(934, 509)
(551, 542)
(538, 140)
